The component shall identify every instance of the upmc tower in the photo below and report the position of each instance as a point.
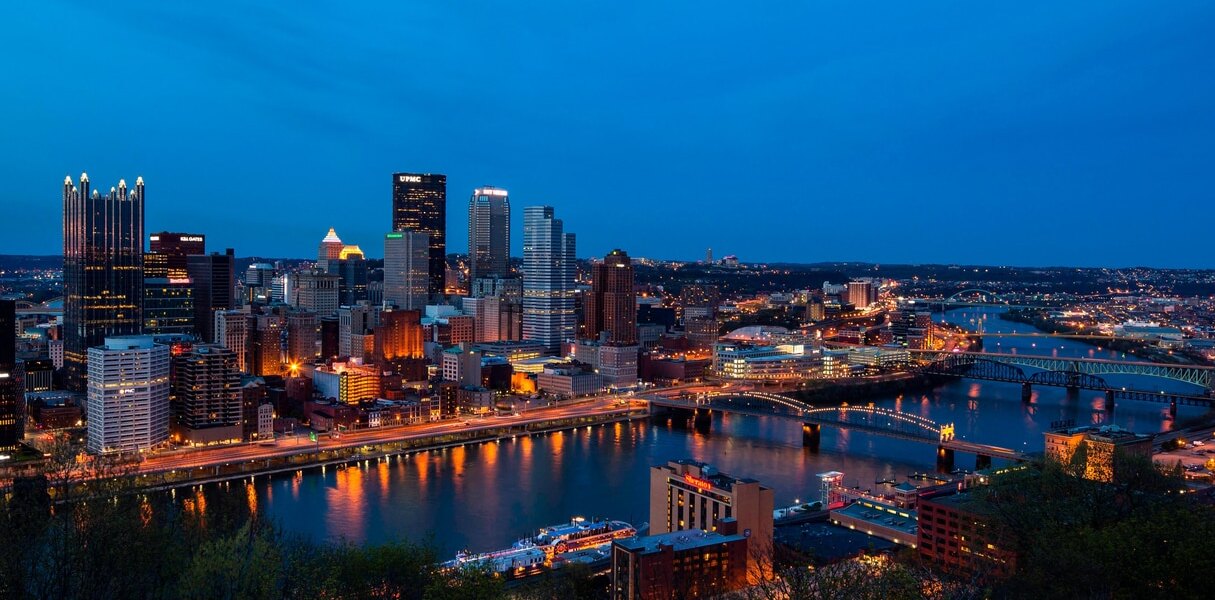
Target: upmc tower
(419, 203)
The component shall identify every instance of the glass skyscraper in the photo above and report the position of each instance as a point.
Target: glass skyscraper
(488, 233)
(419, 203)
(102, 270)
(549, 269)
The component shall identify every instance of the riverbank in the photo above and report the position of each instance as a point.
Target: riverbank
(291, 459)
(1142, 350)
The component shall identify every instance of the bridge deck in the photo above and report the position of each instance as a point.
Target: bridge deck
(821, 418)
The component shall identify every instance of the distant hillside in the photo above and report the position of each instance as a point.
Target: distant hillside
(25, 261)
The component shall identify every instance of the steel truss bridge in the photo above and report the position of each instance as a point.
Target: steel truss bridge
(1073, 373)
(869, 419)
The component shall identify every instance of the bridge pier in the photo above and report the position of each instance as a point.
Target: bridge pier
(1173, 408)
(1073, 392)
(982, 461)
(944, 459)
(1027, 392)
(1109, 401)
(702, 420)
(811, 435)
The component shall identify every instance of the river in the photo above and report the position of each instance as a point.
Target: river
(486, 496)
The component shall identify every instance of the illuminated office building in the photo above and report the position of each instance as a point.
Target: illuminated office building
(174, 248)
(406, 264)
(548, 279)
(317, 292)
(302, 337)
(330, 249)
(12, 403)
(232, 332)
(611, 305)
(351, 268)
(168, 305)
(419, 203)
(128, 395)
(488, 233)
(102, 269)
(214, 279)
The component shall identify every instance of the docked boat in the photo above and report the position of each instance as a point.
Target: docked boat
(579, 540)
(578, 534)
(511, 560)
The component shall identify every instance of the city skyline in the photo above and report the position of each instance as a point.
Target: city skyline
(1021, 138)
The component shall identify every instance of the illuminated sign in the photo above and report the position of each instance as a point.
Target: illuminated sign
(178, 280)
(191, 238)
(698, 483)
(411, 179)
(394, 236)
(155, 238)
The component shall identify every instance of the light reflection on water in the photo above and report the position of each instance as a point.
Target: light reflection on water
(485, 496)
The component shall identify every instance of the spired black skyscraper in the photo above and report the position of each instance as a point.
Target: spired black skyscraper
(419, 203)
(102, 270)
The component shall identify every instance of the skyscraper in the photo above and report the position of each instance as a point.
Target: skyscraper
(102, 269)
(330, 249)
(488, 233)
(168, 305)
(12, 413)
(351, 266)
(406, 264)
(214, 277)
(548, 279)
(611, 305)
(128, 394)
(419, 203)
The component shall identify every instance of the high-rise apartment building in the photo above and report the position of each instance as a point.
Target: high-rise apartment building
(611, 306)
(12, 403)
(861, 294)
(102, 269)
(206, 392)
(128, 395)
(488, 233)
(214, 279)
(548, 279)
(406, 264)
(419, 204)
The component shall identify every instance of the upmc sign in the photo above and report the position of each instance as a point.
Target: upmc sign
(410, 178)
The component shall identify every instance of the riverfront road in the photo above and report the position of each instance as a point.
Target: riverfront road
(163, 462)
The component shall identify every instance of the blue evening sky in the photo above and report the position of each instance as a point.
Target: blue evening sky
(1025, 133)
